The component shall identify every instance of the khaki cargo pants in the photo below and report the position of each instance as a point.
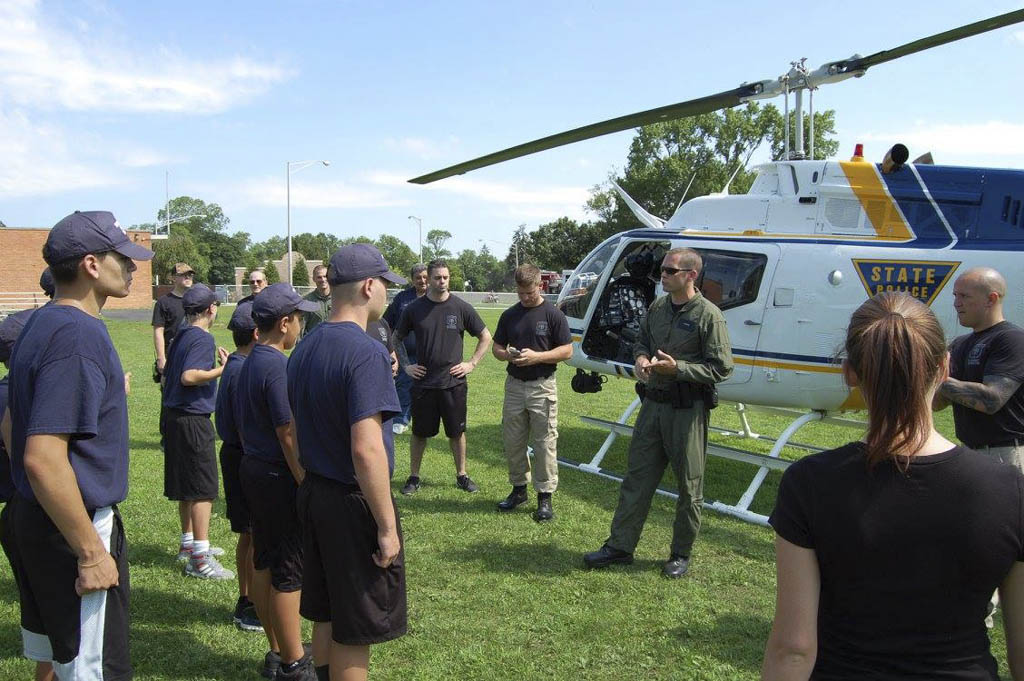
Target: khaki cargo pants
(663, 436)
(530, 416)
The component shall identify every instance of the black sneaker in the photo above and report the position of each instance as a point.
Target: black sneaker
(271, 663)
(249, 621)
(465, 483)
(516, 498)
(412, 485)
(300, 670)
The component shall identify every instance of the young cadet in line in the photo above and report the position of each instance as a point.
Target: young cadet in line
(10, 329)
(271, 474)
(439, 390)
(533, 337)
(343, 396)
(243, 332)
(190, 454)
(68, 420)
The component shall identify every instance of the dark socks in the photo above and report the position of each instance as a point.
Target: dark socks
(323, 673)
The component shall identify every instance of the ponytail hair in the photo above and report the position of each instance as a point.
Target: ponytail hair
(896, 347)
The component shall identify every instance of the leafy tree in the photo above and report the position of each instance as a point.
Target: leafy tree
(436, 239)
(707, 149)
(399, 256)
(300, 275)
(270, 269)
(561, 244)
(320, 246)
(220, 252)
(271, 249)
(231, 253)
(178, 248)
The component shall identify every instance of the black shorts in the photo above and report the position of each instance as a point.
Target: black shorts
(430, 406)
(234, 498)
(84, 636)
(276, 533)
(190, 457)
(342, 585)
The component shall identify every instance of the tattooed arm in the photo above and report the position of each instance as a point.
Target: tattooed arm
(987, 397)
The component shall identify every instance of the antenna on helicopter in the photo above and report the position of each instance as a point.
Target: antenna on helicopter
(686, 191)
(725, 189)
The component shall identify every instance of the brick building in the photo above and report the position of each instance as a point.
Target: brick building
(22, 248)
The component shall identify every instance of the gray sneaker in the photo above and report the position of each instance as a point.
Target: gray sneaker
(465, 483)
(412, 485)
(205, 566)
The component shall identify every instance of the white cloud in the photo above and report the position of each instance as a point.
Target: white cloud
(997, 141)
(40, 159)
(273, 192)
(44, 66)
(1019, 36)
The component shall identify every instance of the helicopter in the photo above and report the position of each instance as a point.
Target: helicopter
(789, 261)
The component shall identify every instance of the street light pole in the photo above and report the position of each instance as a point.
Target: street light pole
(419, 221)
(288, 192)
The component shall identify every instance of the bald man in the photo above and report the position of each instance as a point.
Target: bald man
(986, 370)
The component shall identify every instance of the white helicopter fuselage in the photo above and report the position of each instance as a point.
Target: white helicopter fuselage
(789, 262)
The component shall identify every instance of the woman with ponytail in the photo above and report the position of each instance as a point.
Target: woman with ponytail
(888, 549)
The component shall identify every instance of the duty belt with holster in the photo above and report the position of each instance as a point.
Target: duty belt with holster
(680, 394)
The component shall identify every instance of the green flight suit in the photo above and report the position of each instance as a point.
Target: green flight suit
(312, 319)
(697, 337)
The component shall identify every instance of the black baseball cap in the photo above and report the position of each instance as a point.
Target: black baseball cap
(198, 298)
(241, 318)
(359, 261)
(47, 284)
(10, 329)
(87, 232)
(279, 300)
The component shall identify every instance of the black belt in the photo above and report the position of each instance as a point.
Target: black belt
(662, 396)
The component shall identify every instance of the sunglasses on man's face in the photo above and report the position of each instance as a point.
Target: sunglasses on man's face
(187, 275)
(665, 269)
(255, 281)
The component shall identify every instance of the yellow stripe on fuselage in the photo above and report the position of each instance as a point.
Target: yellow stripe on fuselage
(881, 209)
(790, 366)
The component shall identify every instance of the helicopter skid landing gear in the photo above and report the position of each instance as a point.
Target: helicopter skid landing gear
(764, 463)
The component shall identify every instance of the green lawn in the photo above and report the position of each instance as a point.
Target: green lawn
(490, 596)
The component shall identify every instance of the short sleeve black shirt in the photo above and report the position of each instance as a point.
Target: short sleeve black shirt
(908, 561)
(996, 351)
(439, 329)
(261, 403)
(394, 313)
(169, 313)
(380, 330)
(227, 428)
(6, 482)
(194, 348)
(542, 328)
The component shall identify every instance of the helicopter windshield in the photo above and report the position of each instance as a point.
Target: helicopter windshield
(578, 291)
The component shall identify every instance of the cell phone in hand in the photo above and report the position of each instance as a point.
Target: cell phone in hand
(515, 352)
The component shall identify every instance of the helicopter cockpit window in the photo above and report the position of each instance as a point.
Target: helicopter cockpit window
(731, 279)
(615, 326)
(579, 289)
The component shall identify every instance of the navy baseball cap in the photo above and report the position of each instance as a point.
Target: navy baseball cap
(198, 298)
(47, 284)
(90, 232)
(279, 300)
(10, 329)
(241, 318)
(359, 261)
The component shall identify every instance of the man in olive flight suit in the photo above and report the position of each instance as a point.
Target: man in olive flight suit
(683, 351)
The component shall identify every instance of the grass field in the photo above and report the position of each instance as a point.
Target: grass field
(490, 596)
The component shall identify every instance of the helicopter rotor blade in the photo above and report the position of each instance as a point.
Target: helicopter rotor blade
(950, 36)
(854, 66)
(692, 107)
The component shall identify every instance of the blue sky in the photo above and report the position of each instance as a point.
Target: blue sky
(98, 100)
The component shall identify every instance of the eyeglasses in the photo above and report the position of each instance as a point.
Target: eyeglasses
(674, 270)
(188, 274)
(255, 281)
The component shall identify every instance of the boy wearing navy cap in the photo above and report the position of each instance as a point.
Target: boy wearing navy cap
(10, 329)
(343, 397)
(271, 473)
(190, 458)
(243, 331)
(69, 457)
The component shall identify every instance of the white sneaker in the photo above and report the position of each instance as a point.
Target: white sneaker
(205, 566)
(399, 428)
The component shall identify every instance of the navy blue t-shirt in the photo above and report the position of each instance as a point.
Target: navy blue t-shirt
(338, 376)
(394, 313)
(66, 378)
(193, 348)
(6, 483)
(261, 402)
(227, 428)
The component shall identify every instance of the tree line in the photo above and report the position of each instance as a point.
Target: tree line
(667, 164)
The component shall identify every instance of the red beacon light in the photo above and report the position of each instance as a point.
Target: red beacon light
(858, 152)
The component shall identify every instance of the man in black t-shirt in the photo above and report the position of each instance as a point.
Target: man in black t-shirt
(439, 321)
(168, 312)
(533, 337)
(986, 370)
